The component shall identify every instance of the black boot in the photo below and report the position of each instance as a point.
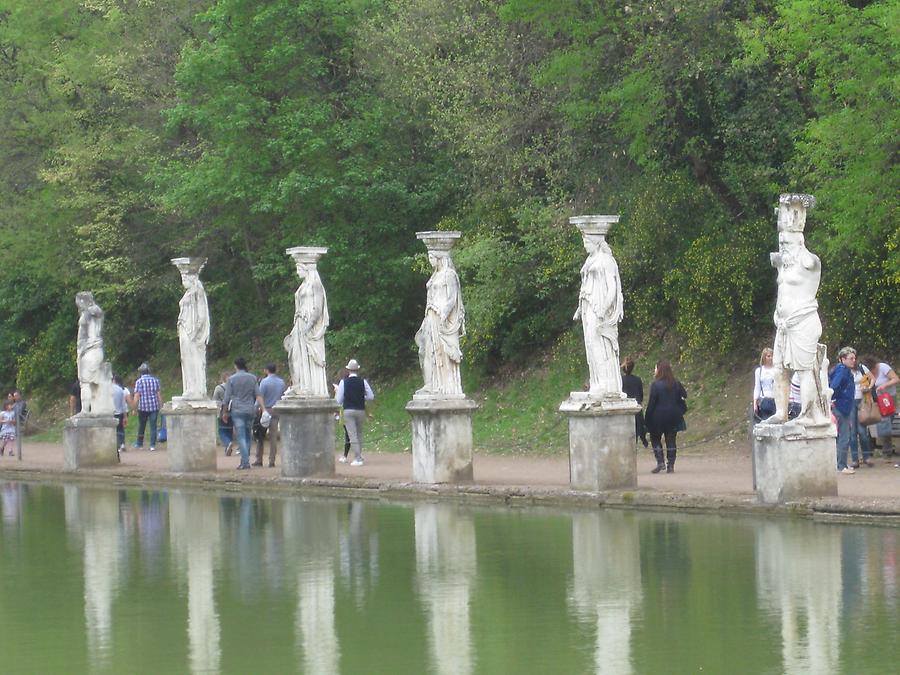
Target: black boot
(660, 464)
(670, 455)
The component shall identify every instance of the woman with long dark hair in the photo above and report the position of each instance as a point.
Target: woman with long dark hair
(665, 414)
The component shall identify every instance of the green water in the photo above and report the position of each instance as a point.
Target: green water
(109, 581)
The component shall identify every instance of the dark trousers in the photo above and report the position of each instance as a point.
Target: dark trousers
(120, 430)
(143, 417)
(656, 439)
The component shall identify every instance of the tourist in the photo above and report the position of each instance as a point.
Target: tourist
(343, 458)
(665, 414)
(764, 387)
(8, 428)
(20, 407)
(841, 383)
(860, 445)
(121, 397)
(634, 388)
(240, 401)
(271, 388)
(352, 393)
(886, 381)
(223, 424)
(75, 398)
(147, 402)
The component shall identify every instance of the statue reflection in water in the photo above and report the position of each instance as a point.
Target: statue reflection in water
(606, 583)
(310, 541)
(93, 517)
(195, 537)
(798, 576)
(358, 551)
(445, 573)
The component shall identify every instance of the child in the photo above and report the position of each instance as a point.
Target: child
(8, 428)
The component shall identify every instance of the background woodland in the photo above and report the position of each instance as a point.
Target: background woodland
(134, 131)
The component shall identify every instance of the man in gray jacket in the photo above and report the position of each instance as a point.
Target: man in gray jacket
(241, 398)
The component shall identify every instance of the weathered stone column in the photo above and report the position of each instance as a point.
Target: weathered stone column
(601, 420)
(89, 437)
(796, 458)
(191, 417)
(306, 412)
(441, 413)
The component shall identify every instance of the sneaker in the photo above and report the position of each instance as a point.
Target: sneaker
(855, 465)
(357, 462)
(137, 446)
(152, 449)
(868, 462)
(229, 449)
(342, 459)
(848, 470)
(257, 463)
(122, 448)
(243, 466)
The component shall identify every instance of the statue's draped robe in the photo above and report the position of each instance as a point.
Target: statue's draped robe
(438, 337)
(600, 301)
(305, 344)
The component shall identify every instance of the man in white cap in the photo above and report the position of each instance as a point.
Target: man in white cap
(352, 393)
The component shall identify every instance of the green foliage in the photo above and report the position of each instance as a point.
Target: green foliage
(135, 132)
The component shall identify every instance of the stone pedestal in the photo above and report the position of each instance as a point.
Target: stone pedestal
(307, 435)
(602, 453)
(90, 440)
(191, 429)
(793, 462)
(442, 439)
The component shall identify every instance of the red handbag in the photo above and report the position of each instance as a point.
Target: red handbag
(886, 404)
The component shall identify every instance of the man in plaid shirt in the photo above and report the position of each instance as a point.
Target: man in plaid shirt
(147, 401)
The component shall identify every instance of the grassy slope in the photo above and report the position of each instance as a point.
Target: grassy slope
(518, 412)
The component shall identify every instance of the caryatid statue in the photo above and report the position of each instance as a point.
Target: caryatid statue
(797, 323)
(444, 323)
(306, 343)
(600, 305)
(193, 328)
(94, 374)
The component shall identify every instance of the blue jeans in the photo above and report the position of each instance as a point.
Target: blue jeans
(243, 425)
(859, 435)
(143, 417)
(226, 430)
(844, 424)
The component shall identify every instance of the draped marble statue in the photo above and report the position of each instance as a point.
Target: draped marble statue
(193, 328)
(797, 322)
(600, 306)
(94, 374)
(444, 323)
(305, 345)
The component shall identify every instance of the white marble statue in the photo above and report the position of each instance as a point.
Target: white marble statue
(94, 374)
(193, 328)
(444, 323)
(797, 323)
(305, 345)
(600, 306)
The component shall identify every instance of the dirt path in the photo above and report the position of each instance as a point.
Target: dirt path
(703, 471)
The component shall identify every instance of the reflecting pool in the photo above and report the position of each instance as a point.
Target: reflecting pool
(132, 581)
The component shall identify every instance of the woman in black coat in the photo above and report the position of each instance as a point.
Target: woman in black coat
(665, 414)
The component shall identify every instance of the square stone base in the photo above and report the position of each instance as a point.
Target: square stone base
(90, 440)
(790, 462)
(191, 429)
(307, 436)
(602, 454)
(442, 439)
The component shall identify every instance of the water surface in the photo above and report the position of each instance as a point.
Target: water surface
(131, 581)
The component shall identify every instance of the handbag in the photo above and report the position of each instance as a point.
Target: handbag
(886, 405)
(868, 411)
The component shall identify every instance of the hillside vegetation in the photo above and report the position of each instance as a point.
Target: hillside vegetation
(138, 131)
